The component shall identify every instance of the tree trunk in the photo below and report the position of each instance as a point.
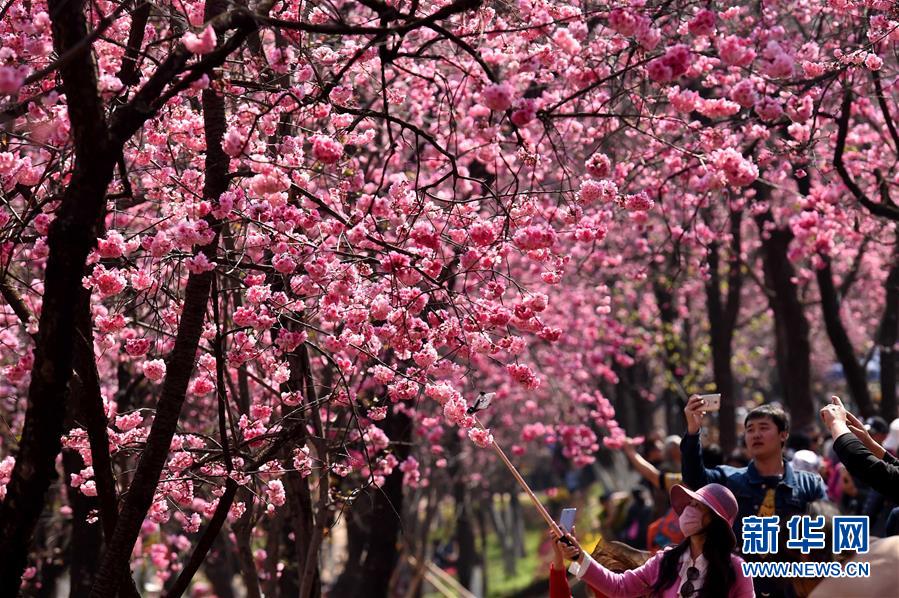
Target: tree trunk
(887, 337)
(86, 394)
(243, 531)
(71, 236)
(723, 314)
(676, 358)
(180, 367)
(856, 379)
(350, 580)
(483, 533)
(791, 328)
(219, 568)
(503, 523)
(374, 529)
(86, 538)
(464, 534)
(301, 519)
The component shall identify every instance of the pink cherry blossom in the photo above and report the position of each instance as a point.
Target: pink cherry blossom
(154, 369)
(738, 170)
(275, 493)
(703, 23)
(639, 202)
(326, 150)
(670, 66)
(112, 246)
(106, 282)
(599, 165)
(873, 62)
(497, 96)
(481, 437)
(768, 109)
(736, 51)
(199, 264)
(200, 44)
(11, 80)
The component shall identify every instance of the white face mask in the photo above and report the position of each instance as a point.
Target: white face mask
(690, 520)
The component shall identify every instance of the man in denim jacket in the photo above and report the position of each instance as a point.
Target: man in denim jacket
(767, 486)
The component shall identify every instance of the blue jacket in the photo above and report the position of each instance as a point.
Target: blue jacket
(794, 492)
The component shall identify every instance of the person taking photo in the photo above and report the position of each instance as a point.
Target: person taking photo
(767, 486)
(862, 455)
(702, 566)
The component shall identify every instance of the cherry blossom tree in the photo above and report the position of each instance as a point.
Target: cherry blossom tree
(259, 257)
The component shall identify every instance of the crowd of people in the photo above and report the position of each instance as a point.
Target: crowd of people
(689, 511)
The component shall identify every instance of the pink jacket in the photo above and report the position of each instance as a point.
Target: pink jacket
(637, 582)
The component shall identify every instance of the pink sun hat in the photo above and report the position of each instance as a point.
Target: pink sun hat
(718, 498)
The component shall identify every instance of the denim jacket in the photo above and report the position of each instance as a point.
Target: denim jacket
(794, 492)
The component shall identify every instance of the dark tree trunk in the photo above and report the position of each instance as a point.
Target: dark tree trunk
(350, 581)
(300, 501)
(86, 538)
(219, 568)
(71, 236)
(86, 394)
(676, 350)
(623, 402)
(634, 412)
(243, 531)
(468, 554)
(308, 548)
(887, 337)
(482, 537)
(791, 328)
(128, 74)
(85, 406)
(385, 530)
(180, 367)
(842, 346)
(289, 582)
(502, 524)
(374, 527)
(722, 323)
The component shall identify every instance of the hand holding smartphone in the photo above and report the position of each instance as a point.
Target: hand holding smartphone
(566, 521)
(712, 402)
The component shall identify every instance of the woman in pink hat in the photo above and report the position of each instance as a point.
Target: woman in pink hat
(702, 566)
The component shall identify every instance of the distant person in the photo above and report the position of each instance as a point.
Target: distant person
(663, 530)
(736, 458)
(878, 428)
(639, 515)
(672, 454)
(806, 460)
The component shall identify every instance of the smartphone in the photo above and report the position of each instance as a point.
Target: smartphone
(566, 521)
(712, 402)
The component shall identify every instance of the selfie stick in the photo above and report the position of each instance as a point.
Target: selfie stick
(481, 403)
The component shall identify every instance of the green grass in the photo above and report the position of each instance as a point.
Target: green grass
(527, 569)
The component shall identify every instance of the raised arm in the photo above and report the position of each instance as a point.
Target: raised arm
(879, 474)
(876, 467)
(643, 467)
(696, 475)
